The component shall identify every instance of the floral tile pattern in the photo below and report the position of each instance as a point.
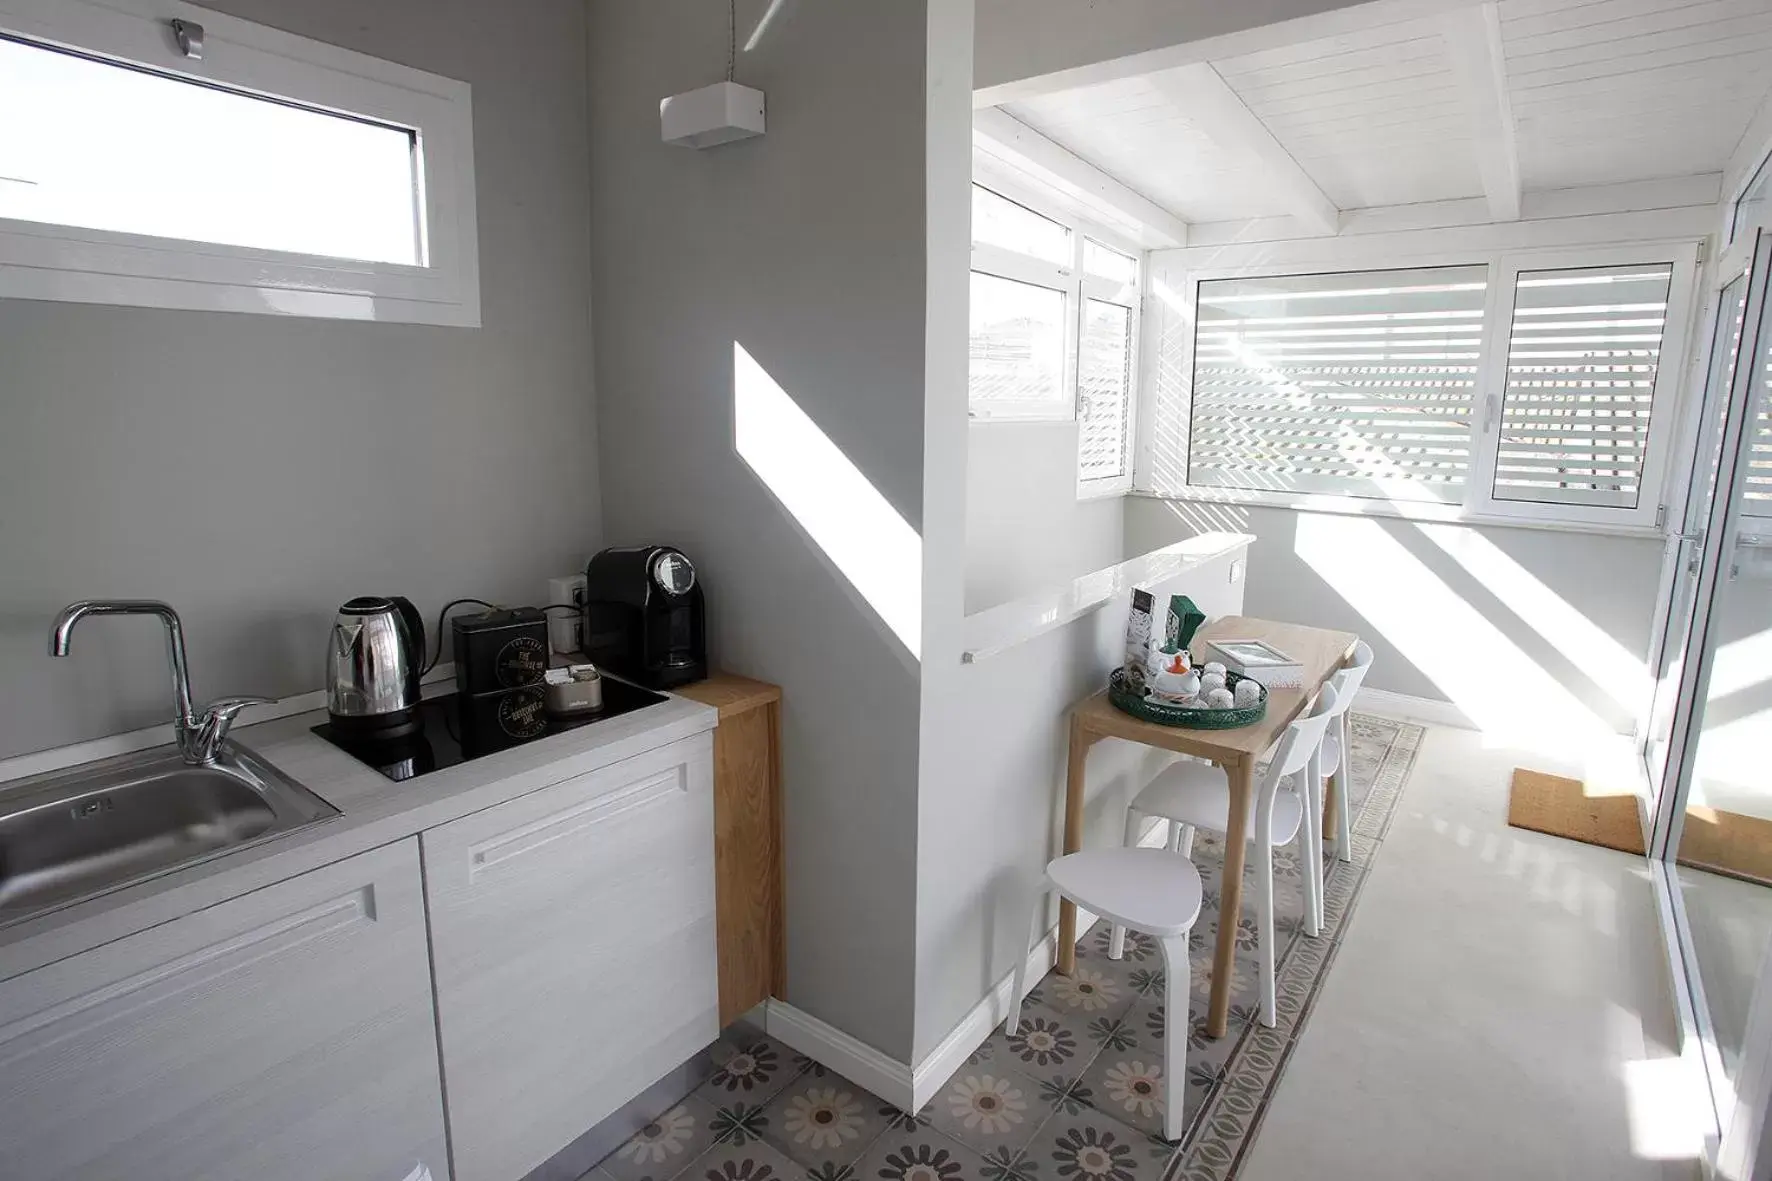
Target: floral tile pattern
(824, 1122)
(1078, 1094)
(990, 1108)
(755, 1161)
(752, 1069)
(666, 1146)
(924, 1155)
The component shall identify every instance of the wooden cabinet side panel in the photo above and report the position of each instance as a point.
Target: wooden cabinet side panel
(747, 860)
(283, 1035)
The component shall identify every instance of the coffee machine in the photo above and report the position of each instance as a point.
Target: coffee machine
(644, 617)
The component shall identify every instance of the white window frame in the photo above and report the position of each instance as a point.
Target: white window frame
(56, 262)
(1077, 286)
(1479, 504)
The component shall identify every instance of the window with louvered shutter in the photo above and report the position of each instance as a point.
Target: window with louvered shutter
(1584, 349)
(1055, 329)
(1354, 384)
(1104, 387)
(1758, 502)
(1017, 345)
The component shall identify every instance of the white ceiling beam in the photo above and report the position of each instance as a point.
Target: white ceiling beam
(1202, 96)
(1006, 137)
(1199, 31)
(1473, 43)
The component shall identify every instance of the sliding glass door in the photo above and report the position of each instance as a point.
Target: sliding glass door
(1707, 743)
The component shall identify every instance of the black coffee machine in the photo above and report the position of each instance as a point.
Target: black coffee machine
(644, 616)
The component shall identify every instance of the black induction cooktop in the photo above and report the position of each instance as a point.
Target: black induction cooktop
(442, 741)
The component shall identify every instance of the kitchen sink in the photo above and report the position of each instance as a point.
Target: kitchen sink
(71, 834)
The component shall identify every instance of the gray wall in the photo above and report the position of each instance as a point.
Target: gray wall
(1438, 623)
(1025, 528)
(256, 471)
(807, 247)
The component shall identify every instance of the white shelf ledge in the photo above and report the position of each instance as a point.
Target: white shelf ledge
(1000, 628)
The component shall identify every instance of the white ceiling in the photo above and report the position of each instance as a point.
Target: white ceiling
(1601, 91)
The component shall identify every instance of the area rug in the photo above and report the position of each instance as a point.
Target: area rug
(1078, 1093)
(1560, 807)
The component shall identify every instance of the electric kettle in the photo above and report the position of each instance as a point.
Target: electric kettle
(373, 663)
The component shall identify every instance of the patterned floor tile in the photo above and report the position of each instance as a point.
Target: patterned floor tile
(753, 1160)
(902, 1121)
(924, 1155)
(1098, 989)
(1092, 1146)
(1048, 1040)
(991, 1108)
(823, 1122)
(753, 1070)
(664, 1147)
(1132, 1086)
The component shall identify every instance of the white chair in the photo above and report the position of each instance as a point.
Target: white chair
(1337, 741)
(1197, 795)
(1156, 891)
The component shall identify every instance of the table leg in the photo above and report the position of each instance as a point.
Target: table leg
(1230, 896)
(1081, 741)
(1329, 794)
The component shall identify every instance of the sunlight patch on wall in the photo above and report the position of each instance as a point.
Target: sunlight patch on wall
(827, 495)
(1602, 659)
(1509, 696)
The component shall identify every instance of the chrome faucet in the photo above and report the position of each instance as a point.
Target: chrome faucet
(199, 733)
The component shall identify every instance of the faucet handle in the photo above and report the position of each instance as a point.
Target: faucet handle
(212, 723)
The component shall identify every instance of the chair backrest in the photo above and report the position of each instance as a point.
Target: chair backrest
(1347, 681)
(1296, 746)
(1304, 735)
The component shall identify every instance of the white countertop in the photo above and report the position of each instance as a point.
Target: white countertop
(374, 810)
(1001, 628)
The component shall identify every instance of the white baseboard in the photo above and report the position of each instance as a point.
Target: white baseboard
(906, 1087)
(943, 1062)
(1414, 709)
(830, 1047)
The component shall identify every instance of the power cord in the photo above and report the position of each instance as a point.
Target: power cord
(443, 615)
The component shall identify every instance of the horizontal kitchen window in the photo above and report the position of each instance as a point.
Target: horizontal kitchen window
(224, 165)
(1529, 386)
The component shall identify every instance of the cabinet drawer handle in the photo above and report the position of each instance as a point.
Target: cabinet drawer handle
(121, 999)
(516, 842)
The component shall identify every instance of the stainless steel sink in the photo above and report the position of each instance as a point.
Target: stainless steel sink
(71, 834)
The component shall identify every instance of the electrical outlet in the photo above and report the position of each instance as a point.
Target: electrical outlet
(565, 630)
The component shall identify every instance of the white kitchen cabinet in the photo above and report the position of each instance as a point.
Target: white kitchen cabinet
(572, 935)
(284, 1035)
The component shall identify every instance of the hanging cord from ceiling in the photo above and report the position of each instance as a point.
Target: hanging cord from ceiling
(731, 37)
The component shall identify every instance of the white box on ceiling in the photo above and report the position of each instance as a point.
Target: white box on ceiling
(716, 114)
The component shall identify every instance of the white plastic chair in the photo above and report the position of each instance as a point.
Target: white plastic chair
(1345, 683)
(1197, 795)
(1156, 891)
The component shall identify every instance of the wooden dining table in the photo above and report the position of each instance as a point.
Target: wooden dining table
(1320, 653)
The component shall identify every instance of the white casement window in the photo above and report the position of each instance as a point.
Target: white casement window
(1054, 329)
(176, 157)
(1523, 386)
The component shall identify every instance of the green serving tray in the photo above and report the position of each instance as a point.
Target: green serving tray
(1124, 699)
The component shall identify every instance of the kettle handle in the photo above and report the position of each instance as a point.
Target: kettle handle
(415, 630)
